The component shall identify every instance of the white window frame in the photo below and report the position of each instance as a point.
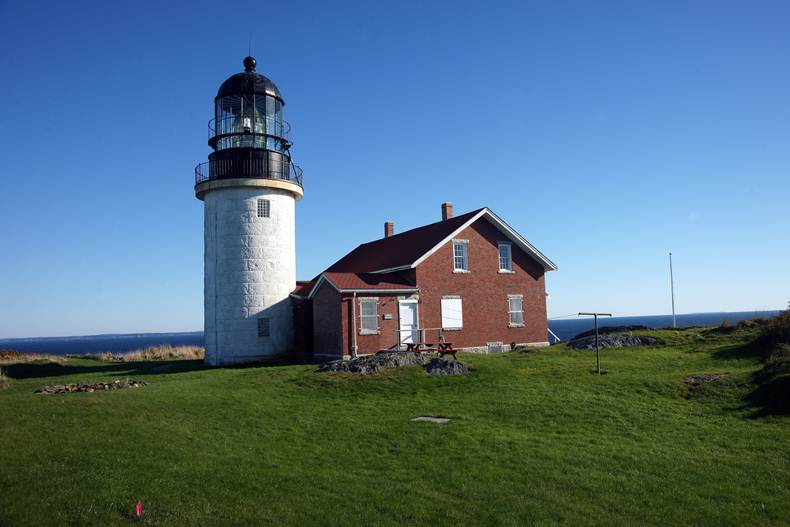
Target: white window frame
(368, 318)
(509, 267)
(264, 208)
(447, 323)
(465, 256)
(519, 323)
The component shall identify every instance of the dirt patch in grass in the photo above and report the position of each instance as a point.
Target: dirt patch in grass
(696, 382)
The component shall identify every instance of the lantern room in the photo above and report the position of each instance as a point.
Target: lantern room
(249, 134)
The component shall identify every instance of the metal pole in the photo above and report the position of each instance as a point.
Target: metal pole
(597, 349)
(672, 287)
(597, 344)
(354, 324)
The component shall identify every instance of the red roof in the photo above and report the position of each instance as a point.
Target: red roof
(400, 250)
(303, 288)
(368, 281)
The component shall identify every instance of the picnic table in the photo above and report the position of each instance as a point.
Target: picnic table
(446, 348)
(420, 347)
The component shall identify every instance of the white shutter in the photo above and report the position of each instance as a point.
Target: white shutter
(452, 313)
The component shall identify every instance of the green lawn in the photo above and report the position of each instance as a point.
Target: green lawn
(536, 439)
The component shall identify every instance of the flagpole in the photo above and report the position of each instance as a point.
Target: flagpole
(672, 288)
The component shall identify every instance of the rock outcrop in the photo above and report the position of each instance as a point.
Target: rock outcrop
(612, 340)
(395, 359)
(74, 388)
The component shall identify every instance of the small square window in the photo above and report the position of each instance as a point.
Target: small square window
(264, 327)
(264, 208)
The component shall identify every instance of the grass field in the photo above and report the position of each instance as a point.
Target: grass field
(535, 439)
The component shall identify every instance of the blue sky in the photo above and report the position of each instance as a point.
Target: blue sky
(607, 133)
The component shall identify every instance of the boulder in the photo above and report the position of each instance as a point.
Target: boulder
(446, 367)
(612, 340)
(605, 330)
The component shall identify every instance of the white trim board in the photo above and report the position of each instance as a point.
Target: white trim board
(323, 279)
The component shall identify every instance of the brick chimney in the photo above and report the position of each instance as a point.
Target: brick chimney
(447, 210)
(389, 229)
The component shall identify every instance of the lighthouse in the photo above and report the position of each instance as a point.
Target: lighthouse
(249, 188)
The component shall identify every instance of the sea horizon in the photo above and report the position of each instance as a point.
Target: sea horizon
(563, 327)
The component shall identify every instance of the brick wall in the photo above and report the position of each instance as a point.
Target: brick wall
(483, 290)
(386, 336)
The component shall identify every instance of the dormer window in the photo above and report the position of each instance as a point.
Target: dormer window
(505, 257)
(460, 255)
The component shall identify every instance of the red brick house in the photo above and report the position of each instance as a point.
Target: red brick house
(470, 278)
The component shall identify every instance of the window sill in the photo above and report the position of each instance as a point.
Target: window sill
(505, 271)
(460, 271)
(515, 325)
(452, 329)
(368, 332)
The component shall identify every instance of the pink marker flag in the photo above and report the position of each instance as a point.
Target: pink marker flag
(138, 509)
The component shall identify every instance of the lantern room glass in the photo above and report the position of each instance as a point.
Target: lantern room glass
(253, 121)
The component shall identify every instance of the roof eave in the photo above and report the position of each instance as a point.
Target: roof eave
(406, 290)
(514, 236)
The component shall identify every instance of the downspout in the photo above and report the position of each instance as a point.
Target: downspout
(354, 324)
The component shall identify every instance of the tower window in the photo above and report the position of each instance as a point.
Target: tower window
(264, 327)
(264, 208)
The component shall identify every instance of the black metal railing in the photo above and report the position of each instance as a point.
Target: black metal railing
(248, 169)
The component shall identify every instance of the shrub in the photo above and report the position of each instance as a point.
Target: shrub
(776, 330)
(164, 352)
(13, 357)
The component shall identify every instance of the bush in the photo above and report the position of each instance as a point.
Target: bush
(13, 357)
(165, 352)
(776, 330)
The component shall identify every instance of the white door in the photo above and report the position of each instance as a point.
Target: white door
(407, 312)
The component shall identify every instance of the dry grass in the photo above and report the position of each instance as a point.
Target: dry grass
(14, 357)
(165, 352)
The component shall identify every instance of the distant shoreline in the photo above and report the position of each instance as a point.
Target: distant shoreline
(565, 328)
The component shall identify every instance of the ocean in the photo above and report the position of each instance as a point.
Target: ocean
(564, 328)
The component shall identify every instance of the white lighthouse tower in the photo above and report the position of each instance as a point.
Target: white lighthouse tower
(249, 188)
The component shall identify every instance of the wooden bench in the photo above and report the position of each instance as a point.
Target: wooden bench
(420, 347)
(446, 348)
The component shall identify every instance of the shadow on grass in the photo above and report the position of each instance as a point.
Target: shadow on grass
(771, 392)
(740, 351)
(34, 370)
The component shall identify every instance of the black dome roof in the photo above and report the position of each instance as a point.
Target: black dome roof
(248, 82)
